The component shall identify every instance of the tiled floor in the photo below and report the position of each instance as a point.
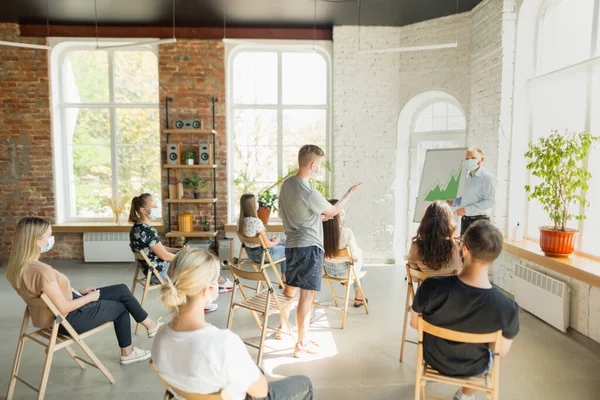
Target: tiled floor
(359, 362)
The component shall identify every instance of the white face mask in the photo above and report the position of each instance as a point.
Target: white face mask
(471, 164)
(216, 294)
(46, 248)
(154, 212)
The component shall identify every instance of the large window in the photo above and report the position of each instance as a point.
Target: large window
(108, 123)
(565, 94)
(278, 101)
(438, 124)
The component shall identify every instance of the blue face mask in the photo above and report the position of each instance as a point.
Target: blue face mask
(471, 164)
(47, 247)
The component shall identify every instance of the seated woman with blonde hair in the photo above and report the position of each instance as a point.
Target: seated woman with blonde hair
(197, 357)
(85, 309)
(435, 249)
(251, 226)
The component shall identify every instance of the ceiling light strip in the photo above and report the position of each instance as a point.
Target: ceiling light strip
(411, 48)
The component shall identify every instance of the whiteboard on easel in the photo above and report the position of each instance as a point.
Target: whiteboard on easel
(443, 177)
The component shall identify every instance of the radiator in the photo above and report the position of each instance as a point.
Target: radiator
(107, 247)
(543, 296)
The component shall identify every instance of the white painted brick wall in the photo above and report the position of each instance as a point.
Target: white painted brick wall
(584, 312)
(369, 91)
(493, 27)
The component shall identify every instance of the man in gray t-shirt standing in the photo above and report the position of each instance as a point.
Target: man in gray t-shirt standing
(302, 210)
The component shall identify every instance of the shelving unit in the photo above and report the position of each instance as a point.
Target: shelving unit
(170, 168)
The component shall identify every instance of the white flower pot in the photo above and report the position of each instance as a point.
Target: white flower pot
(189, 161)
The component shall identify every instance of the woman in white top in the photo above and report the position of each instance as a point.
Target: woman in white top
(250, 226)
(337, 237)
(197, 357)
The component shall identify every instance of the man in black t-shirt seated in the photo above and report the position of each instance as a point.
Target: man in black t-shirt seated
(467, 303)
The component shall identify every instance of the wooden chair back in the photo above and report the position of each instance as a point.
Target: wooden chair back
(52, 341)
(266, 259)
(146, 280)
(488, 383)
(414, 276)
(181, 393)
(342, 255)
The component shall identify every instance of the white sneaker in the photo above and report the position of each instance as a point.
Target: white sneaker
(211, 307)
(226, 286)
(460, 396)
(152, 331)
(136, 355)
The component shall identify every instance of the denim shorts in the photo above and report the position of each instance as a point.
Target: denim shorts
(304, 267)
(489, 366)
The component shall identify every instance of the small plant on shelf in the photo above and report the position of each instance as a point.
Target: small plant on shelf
(557, 160)
(195, 183)
(189, 158)
(205, 225)
(266, 204)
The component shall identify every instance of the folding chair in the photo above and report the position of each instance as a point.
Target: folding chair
(144, 280)
(53, 341)
(414, 276)
(171, 391)
(343, 255)
(266, 256)
(266, 302)
(488, 383)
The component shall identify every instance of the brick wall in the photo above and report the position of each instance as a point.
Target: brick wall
(26, 178)
(369, 92)
(492, 70)
(191, 71)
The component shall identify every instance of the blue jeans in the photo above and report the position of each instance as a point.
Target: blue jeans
(163, 274)
(276, 252)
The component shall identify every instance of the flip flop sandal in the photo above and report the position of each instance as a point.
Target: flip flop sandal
(357, 305)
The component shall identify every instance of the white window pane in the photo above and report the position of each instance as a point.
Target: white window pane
(424, 124)
(135, 77)
(456, 123)
(92, 180)
(454, 111)
(138, 165)
(255, 78)
(138, 126)
(440, 109)
(255, 127)
(564, 34)
(85, 77)
(302, 127)
(304, 78)
(87, 126)
(440, 124)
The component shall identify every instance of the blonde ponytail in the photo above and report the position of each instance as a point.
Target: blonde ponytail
(193, 270)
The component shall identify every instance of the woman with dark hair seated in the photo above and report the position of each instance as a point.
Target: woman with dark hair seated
(435, 249)
(337, 237)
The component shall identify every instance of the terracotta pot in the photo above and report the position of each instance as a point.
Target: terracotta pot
(264, 214)
(557, 243)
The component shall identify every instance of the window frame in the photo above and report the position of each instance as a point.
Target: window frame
(536, 57)
(62, 161)
(232, 50)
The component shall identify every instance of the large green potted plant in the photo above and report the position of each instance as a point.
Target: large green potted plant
(557, 160)
(266, 205)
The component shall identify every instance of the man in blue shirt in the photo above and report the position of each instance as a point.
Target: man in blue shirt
(479, 192)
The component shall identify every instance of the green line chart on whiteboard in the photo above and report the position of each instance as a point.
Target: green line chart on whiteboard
(447, 191)
(442, 177)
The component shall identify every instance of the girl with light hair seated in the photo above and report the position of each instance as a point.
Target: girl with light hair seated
(85, 309)
(196, 357)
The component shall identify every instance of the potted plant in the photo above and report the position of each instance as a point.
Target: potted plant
(557, 161)
(195, 183)
(266, 204)
(189, 158)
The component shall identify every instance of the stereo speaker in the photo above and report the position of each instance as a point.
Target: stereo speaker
(204, 154)
(173, 154)
(188, 124)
